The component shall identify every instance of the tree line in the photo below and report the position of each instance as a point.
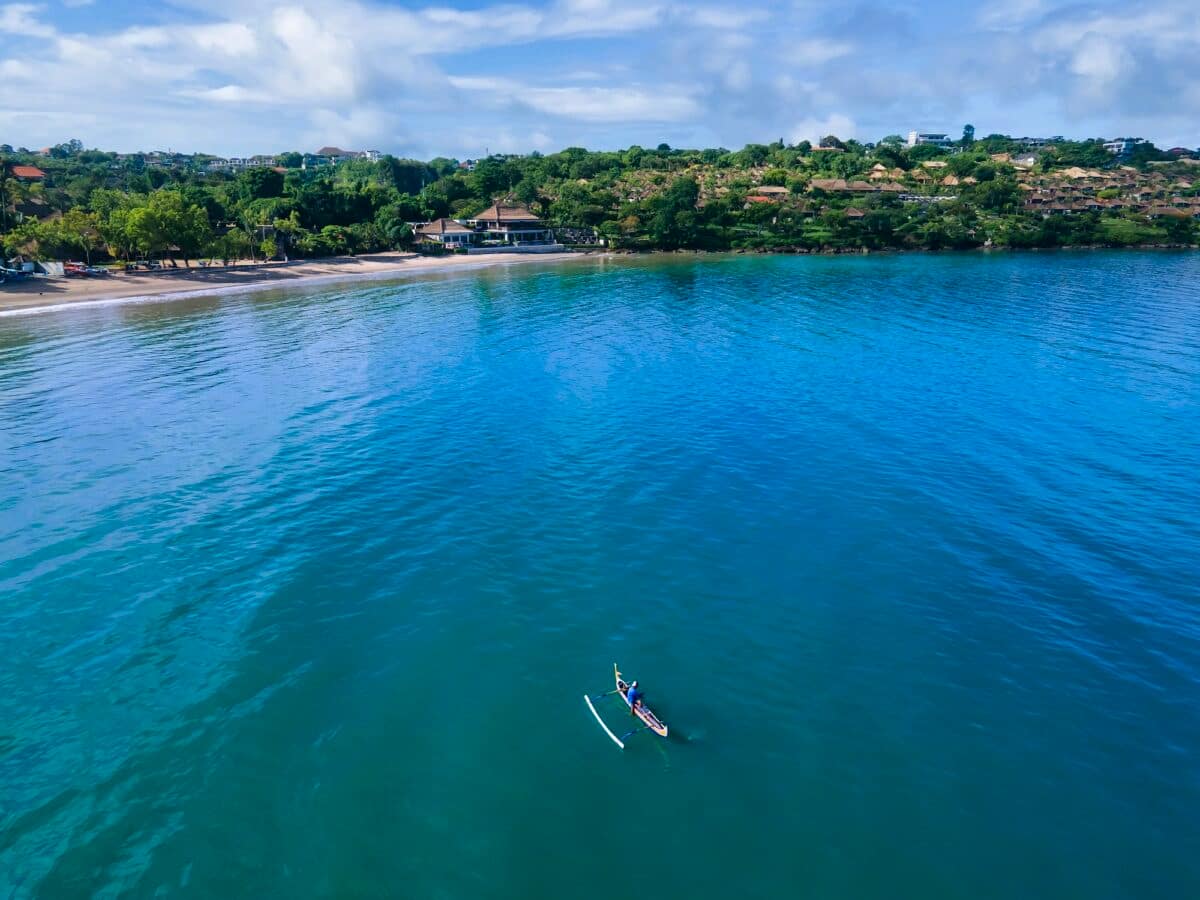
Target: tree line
(96, 205)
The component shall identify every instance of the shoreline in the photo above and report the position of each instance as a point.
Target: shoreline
(55, 295)
(904, 251)
(41, 296)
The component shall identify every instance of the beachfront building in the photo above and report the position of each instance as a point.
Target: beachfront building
(445, 232)
(510, 225)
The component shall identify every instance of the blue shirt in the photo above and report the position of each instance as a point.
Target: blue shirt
(633, 696)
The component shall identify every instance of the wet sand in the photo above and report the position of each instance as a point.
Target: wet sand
(40, 294)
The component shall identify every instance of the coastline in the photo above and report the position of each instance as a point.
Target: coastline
(53, 295)
(899, 251)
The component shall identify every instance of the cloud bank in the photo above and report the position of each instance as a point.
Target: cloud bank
(424, 79)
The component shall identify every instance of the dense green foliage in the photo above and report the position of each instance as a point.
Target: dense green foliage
(96, 204)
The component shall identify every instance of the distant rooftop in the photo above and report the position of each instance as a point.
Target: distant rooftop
(28, 172)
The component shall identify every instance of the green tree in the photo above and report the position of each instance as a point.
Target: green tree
(996, 195)
(8, 191)
(288, 232)
(1123, 232)
(82, 230)
(1087, 154)
(391, 223)
(167, 223)
(260, 183)
(63, 151)
(112, 209)
(491, 177)
(673, 222)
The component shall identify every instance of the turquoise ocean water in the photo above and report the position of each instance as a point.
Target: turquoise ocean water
(300, 592)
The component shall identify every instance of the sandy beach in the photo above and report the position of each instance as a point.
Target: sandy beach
(41, 294)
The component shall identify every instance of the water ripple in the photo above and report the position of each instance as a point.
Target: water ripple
(298, 591)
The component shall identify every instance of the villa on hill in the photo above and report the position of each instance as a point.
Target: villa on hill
(337, 154)
(26, 173)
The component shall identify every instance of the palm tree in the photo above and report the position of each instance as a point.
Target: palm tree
(7, 190)
(13, 191)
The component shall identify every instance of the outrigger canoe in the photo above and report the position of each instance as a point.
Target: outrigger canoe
(649, 719)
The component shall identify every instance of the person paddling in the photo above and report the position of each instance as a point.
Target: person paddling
(634, 696)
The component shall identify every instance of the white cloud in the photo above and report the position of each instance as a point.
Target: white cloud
(24, 19)
(11, 68)
(1099, 59)
(237, 78)
(739, 76)
(720, 17)
(230, 93)
(226, 38)
(1010, 14)
(588, 104)
(814, 51)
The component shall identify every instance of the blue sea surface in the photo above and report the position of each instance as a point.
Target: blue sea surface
(300, 592)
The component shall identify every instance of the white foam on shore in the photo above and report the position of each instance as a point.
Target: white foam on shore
(302, 281)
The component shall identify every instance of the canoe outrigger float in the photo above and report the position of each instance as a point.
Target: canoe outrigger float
(650, 721)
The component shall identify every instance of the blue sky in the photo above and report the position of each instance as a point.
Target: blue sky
(458, 78)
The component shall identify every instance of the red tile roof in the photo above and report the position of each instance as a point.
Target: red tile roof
(31, 172)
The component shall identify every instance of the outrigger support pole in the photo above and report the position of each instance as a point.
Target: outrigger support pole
(607, 730)
(627, 735)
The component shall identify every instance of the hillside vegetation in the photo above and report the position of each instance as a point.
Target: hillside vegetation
(838, 196)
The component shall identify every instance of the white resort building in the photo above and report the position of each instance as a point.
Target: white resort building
(916, 138)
